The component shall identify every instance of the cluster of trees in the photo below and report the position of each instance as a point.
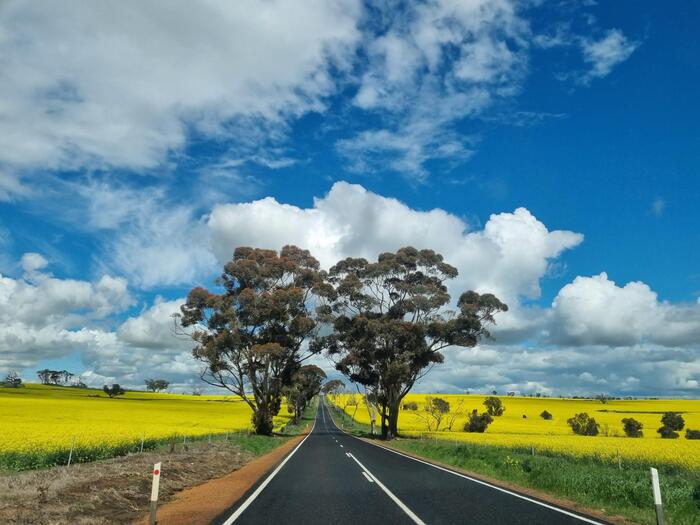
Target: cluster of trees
(59, 378)
(156, 385)
(386, 322)
(113, 390)
(305, 384)
(436, 412)
(671, 424)
(438, 415)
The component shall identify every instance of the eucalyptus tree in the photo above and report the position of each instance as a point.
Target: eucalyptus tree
(390, 322)
(251, 335)
(306, 383)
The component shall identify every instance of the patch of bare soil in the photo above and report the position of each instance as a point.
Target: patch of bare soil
(203, 503)
(112, 491)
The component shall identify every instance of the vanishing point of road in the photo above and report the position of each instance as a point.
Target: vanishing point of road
(334, 478)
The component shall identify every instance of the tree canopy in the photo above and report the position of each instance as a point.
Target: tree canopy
(390, 322)
(156, 385)
(250, 335)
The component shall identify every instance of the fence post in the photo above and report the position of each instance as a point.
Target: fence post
(141, 448)
(657, 496)
(154, 494)
(70, 454)
(532, 449)
(619, 460)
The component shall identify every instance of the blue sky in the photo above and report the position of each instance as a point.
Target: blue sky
(548, 149)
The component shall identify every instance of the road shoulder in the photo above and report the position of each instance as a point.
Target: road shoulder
(204, 503)
(534, 494)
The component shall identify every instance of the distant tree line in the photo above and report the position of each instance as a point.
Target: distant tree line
(59, 378)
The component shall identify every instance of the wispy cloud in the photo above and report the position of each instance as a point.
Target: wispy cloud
(658, 206)
(604, 54)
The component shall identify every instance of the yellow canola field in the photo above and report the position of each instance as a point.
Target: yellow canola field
(37, 418)
(514, 431)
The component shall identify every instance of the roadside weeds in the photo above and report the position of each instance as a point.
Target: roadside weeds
(110, 491)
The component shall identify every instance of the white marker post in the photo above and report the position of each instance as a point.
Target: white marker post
(70, 454)
(154, 493)
(657, 496)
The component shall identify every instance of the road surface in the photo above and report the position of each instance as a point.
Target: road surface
(335, 478)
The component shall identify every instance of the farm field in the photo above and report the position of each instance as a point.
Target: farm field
(39, 423)
(512, 430)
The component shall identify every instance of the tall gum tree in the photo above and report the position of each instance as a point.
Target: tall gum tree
(390, 322)
(250, 337)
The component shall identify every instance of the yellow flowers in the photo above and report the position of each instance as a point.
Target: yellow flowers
(521, 426)
(40, 422)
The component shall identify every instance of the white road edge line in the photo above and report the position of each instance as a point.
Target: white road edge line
(396, 500)
(264, 484)
(369, 478)
(505, 491)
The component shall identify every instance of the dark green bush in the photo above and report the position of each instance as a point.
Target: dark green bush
(478, 422)
(633, 428)
(583, 425)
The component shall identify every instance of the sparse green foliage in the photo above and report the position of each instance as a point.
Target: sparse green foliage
(12, 380)
(411, 405)
(477, 422)
(632, 427)
(583, 425)
(435, 409)
(494, 406)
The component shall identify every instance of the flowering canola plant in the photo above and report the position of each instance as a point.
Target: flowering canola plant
(39, 424)
(554, 436)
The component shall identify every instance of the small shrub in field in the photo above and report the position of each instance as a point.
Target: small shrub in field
(524, 416)
(671, 423)
(668, 433)
(494, 406)
(583, 425)
(633, 428)
(673, 420)
(692, 434)
(478, 422)
(546, 415)
(411, 405)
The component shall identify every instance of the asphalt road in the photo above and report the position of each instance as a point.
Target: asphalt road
(334, 478)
